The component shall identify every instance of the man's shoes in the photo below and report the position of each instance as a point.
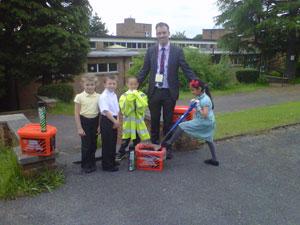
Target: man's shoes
(212, 162)
(112, 169)
(120, 156)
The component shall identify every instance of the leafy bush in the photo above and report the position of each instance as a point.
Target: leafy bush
(137, 64)
(275, 74)
(221, 75)
(9, 173)
(247, 75)
(217, 75)
(61, 91)
(262, 80)
(13, 183)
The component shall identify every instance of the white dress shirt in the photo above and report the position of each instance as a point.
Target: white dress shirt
(108, 101)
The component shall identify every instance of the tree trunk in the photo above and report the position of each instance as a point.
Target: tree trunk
(291, 56)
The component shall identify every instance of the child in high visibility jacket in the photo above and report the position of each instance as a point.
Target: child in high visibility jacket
(133, 104)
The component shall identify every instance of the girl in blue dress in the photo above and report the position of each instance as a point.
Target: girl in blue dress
(202, 126)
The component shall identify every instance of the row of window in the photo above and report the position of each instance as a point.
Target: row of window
(102, 67)
(128, 44)
(147, 45)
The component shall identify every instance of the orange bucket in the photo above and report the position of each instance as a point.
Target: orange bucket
(179, 110)
(149, 158)
(35, 142)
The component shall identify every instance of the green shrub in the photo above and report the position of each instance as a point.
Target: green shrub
(247, 75)
(201, 65)
(61, 91)
(221, 74)
(44, 180)
(9, 173)
(275, 74)
(13, 183)
(262, 80)
(217, 75)
(137, 64)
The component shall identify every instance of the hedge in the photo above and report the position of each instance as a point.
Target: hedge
(247, 75)
(62, 92)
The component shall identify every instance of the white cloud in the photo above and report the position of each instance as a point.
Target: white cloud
(190, 16)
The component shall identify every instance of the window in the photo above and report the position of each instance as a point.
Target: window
(102, 67)
(112, 67)
(92, 68)
(133, 45)
(92, 44)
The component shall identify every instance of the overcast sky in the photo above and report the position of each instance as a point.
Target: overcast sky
(190, 16)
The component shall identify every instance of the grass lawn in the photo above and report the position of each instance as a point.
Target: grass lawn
(238, 88)
(62, 108)
(257, 119)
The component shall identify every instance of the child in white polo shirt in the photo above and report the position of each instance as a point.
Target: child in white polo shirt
(87, 122)
(109, 123)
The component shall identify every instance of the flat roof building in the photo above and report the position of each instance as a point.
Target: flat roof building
(132, 29)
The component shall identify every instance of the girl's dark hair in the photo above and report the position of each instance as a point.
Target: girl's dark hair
(200, 84)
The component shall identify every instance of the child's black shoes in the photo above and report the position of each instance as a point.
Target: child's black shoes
(212, 162)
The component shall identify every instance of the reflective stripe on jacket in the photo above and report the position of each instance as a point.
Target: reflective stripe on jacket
(133, 105)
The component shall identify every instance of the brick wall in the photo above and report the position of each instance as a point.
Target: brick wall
(132, 29)
(213, 34)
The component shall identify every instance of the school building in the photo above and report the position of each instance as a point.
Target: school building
(113, 54)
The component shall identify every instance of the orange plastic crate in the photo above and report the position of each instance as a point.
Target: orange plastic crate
(35, 142)
(147, 158)
(180, 110)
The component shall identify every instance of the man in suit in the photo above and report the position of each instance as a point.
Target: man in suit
(163, 61)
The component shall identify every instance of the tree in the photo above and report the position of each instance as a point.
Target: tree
(179, 35)
(97, 27)
(41, 38)
(198, 37)
(270, 26)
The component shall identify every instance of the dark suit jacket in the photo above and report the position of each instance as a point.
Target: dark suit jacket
(176, 60)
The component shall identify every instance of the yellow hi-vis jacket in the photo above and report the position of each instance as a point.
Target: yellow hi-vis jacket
(133, 105)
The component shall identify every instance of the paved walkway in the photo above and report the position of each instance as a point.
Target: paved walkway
(258, 181)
